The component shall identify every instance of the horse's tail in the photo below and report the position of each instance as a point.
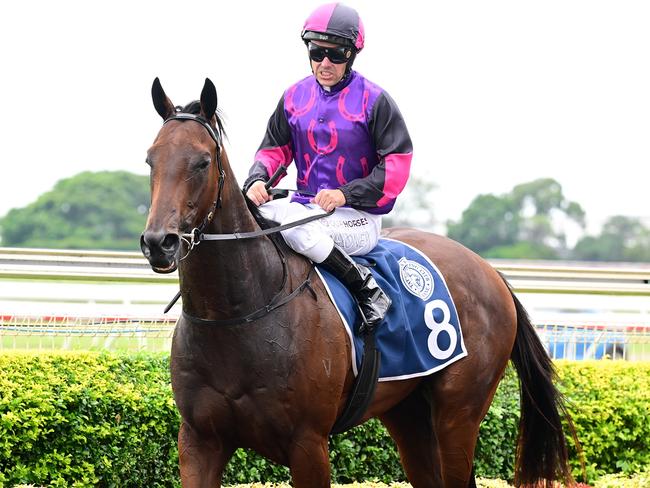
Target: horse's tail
(541, 445)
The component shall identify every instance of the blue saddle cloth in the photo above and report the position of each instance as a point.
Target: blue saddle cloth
(421, 333)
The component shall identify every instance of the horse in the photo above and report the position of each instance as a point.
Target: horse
(260, 359)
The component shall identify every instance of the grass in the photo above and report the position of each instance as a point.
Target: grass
(639, 480)
(152, 342)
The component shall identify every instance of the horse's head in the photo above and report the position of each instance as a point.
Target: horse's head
(185, 161)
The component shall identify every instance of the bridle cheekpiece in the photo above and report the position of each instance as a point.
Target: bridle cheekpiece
(194, 237)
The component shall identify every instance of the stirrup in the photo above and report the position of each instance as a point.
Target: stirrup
(365, 326)
(379, 312)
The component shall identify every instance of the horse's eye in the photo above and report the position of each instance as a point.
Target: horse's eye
(203, 164)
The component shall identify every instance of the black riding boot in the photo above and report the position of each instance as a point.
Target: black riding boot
(372, 300)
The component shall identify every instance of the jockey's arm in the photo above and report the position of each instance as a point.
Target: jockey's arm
(395, 150)
(274, 151)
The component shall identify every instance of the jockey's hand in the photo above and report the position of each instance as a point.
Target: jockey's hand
(257, 193)
(328, 200)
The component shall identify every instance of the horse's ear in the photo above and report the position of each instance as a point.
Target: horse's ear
(208, 100)
(163, 104)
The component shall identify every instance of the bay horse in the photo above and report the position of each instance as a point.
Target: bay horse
(261, 360)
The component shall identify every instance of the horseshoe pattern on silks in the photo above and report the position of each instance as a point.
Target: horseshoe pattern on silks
(339, 169)
(304, 180)
(359, 117)
(299, 111)
(334, 138)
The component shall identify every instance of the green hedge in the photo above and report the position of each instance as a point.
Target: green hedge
(610, 406)
(86, 420)
(109, 420)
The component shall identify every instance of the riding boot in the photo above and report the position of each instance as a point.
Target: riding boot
(372, 300)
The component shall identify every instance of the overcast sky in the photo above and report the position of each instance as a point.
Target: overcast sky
(495, 93)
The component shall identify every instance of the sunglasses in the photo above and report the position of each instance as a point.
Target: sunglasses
(337, 55)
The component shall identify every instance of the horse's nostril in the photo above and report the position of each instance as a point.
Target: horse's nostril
(153, 243)
(170, 243)
(144, 247)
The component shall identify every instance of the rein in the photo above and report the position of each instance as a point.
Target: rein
(196, 236)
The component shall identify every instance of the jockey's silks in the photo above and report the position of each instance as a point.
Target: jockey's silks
(351, 137)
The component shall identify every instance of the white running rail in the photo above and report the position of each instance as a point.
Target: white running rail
(96, 299)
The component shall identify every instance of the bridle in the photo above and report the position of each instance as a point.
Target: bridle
(216, 137)
(196, 236)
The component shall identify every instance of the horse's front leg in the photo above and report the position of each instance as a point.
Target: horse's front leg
(309, 462)
(202, 460)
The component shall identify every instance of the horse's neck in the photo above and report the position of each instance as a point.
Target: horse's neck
(226, 279)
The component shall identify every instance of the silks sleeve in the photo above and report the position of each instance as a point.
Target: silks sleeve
(378, 191)
(275, 149)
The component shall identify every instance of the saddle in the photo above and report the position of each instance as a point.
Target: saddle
(420, 335)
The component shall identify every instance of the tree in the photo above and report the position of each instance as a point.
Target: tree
(487, 223)
(542, 203)
(621, 239)
(525, 223)
(103, 210)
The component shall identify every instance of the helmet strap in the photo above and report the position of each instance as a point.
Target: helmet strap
(348, 66)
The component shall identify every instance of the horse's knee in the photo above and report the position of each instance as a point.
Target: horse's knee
(457, 441)
(202, 460)
(309, 463)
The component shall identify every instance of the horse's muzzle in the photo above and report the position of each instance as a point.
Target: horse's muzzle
(161, 250)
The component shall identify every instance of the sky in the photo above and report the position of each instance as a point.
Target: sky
(494, 93)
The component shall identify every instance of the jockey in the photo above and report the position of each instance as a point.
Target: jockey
(352, 152)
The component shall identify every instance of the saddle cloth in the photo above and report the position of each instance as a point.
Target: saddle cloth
(421, 333)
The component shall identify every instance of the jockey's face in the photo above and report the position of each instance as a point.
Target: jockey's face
(326, 72)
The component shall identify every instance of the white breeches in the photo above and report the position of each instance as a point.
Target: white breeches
(354, 231)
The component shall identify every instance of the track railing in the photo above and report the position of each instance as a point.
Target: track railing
(528, 277)
(98, 299)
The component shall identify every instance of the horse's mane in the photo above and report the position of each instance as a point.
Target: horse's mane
(265, 223)
(194, 108)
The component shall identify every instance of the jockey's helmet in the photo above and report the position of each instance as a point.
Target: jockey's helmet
(335, 23)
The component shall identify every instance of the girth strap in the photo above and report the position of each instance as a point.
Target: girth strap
(364, 386)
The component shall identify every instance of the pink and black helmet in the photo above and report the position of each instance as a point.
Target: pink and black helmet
(336, 23)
